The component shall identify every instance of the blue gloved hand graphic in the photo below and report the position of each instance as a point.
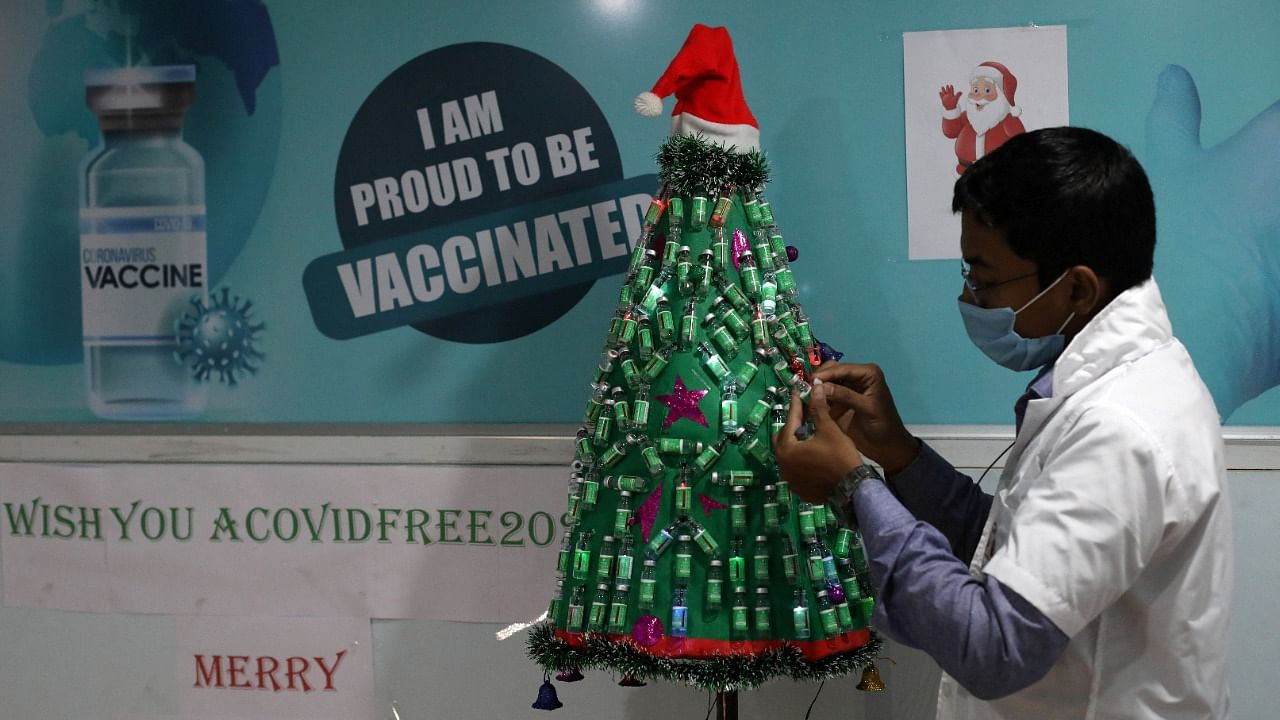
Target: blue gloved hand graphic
(1219, 227)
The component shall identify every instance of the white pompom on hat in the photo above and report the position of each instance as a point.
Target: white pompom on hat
(709, 102)
(1008, 83)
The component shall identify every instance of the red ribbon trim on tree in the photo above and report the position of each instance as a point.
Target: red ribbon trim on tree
(813, 650)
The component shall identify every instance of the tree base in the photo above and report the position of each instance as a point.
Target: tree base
(718, 672)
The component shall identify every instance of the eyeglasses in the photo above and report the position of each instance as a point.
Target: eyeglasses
(974, 288)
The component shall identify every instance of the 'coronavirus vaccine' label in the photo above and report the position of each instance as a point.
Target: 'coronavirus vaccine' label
(139, 268)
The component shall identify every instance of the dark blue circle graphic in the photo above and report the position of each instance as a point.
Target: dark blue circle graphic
(464, 91)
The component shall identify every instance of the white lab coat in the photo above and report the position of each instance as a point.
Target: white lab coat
(1112, 519)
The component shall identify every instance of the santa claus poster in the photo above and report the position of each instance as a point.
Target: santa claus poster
(966, 93)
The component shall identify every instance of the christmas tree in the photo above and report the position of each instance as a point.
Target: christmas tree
(688, 558)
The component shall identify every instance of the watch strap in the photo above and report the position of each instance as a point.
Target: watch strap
(842, 495)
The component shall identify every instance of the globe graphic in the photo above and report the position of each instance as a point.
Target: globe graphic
(234, 124)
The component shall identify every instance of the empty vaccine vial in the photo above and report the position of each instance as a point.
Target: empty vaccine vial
(142, 243)
(715, 585)
(679, 613)
(800, 616)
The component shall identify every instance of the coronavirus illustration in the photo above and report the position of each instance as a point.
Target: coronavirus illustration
(219, 338)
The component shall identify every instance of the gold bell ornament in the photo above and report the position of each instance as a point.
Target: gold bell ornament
(871, 681)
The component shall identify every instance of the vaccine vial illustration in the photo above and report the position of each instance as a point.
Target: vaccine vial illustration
(142, 243)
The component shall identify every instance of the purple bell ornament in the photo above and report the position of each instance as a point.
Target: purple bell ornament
(569, 674)
(547, 698)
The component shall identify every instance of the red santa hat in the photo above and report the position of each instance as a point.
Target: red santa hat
(1004, 79)
(709, 101)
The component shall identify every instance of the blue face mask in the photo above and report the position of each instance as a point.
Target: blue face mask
(991, 330)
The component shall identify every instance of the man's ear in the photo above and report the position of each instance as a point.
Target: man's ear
(1089, 292)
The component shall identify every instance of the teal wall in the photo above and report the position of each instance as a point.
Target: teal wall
(825, 83)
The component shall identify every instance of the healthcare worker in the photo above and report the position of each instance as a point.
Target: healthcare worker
(1096, 582)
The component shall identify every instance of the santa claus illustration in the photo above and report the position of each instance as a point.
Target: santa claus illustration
(989, 116)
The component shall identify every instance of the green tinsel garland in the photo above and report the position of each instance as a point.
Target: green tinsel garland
(723, 673)
(690, 165)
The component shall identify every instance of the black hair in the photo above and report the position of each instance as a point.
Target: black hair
(1066, 196)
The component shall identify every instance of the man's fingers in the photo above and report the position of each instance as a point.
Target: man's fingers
(841, 396)
(795, 417)
(819, 410)
(851, 374)
(831, 372)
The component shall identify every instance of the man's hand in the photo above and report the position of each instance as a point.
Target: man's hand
(814, 466)
(860, 398)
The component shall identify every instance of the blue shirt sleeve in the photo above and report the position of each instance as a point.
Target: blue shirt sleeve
(986, 636)
(937, 493)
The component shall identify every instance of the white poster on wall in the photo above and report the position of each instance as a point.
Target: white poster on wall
(280, 668)
(966, 93)
(441, 542)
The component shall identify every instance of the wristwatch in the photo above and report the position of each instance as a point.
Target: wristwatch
(842, 494)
